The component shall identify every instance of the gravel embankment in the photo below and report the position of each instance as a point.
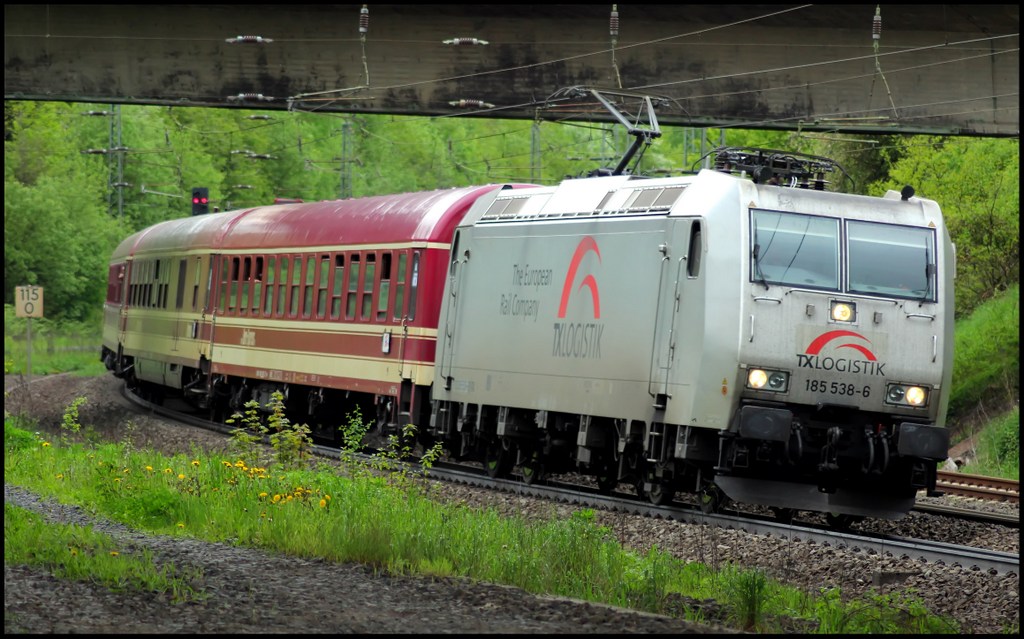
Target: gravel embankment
(253, 591)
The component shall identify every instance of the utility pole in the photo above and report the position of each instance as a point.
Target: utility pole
(345, 188)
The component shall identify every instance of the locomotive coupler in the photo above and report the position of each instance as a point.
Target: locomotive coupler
(830, 451)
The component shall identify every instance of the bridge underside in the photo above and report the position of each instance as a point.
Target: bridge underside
(949, 69)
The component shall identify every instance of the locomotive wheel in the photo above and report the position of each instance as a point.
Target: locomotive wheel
(497, 460)
(607, 480)
(661, 493)
(783, 515)
(838, 521)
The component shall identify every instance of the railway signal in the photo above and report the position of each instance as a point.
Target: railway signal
(200, 200)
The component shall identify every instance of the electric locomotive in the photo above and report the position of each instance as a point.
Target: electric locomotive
(741, 334)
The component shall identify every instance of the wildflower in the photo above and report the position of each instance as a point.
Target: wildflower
(149, 469)
(117, 479)
(168, 471)
(181, 476)
(263, 495)
(114, 553)
(277, 498)
(226, 463)
(127, 470)
(46, 444)
(74, 552)
(195, 462)
(327, 497)
(60, 475)
(323, 503)
(181, 525)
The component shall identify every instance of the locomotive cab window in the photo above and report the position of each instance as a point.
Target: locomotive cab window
(793, 249)
(891, 260)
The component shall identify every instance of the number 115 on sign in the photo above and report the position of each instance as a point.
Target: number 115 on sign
(28, 301)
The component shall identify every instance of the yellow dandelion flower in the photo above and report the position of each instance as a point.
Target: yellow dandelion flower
(289, 498)
(277, 498)
(195, 462)
(46, 444)
(323, 503)
(168, 471)
(127, 470)
(181, 525)
(117, 479)
(60, 475)
(114, 553)
(226, 463)
(263, 495)
(74, 552)
(327, 497)
(240, 464)
(181, 476)
(149, 469)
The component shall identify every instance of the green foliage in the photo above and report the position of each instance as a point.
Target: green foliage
(986, 357)
(291, 443)
(997, 448)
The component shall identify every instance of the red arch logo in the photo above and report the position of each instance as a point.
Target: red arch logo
(819, 342)
(585, 246)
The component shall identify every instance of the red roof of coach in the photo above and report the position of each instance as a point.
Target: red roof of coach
(429, 216)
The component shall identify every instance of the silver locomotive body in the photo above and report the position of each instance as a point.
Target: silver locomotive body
(784, 346)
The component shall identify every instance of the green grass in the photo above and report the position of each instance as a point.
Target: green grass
(997, 448)
(56, 347)
(391, 521)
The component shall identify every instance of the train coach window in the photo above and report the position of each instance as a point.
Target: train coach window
(413, 284)
(196, 278)
(339, 280)
(891, 260)
(282, 287)
(225, 270)
(257, 283)
(396, 312)
(243, 306)
(385, 287)
(353, 287)
(321, 289)
(179, 300)
(268, 300)
(369, 273)
(233, 291)
(293, 300)
(307, 298)
(794, 250)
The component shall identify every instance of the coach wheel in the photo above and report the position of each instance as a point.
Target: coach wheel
(711, 499)
(497, 460)
(661, 493)
(532, 468)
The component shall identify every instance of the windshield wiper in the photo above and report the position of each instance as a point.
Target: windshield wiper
(756, 253)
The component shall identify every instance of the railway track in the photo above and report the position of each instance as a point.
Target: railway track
(978, 486)
(990, 561)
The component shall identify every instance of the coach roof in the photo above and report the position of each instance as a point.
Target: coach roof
(429, 216)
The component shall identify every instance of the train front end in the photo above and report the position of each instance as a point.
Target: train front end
(845, 353)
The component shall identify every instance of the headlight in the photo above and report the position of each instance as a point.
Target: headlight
(769, 380)
(843, 311)
(906, 395)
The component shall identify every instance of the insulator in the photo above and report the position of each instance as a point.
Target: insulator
(364, 20)
(613, 22)
(461, 41)
(250, 96)
(465, 104)
(876, 26)
(248, 38)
